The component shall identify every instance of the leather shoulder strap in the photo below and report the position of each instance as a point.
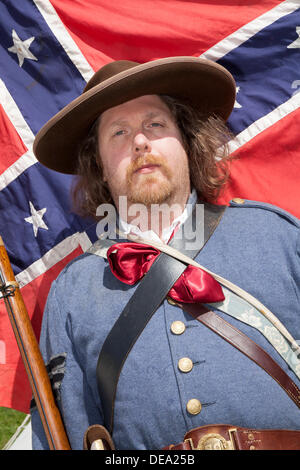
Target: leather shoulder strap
(245, 345)
(147, 297)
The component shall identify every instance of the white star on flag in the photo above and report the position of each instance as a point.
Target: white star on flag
(236, 104)
(296, 43)
(36, 219)
(21, 48)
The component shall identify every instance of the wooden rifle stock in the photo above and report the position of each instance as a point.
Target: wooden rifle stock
(31, 356)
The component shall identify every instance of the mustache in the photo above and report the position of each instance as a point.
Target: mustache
(147, 159)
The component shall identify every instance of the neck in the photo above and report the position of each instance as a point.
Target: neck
(155, 217)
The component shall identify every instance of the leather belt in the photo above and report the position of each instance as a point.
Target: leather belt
(227, 437)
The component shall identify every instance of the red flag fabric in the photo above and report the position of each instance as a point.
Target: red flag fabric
(49, 49)
(14, 390)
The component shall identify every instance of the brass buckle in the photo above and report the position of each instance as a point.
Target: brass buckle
(212, 441)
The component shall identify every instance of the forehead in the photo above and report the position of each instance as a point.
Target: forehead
(141, 106)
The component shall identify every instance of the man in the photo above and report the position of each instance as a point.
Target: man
(151, 133)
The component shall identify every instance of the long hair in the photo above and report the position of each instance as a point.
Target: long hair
(205, 139)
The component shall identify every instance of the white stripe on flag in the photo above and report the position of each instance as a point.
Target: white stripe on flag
(265, 122)
(15, 116)
(53, 256)
(13, 171)
(64, 38)
(244, 33)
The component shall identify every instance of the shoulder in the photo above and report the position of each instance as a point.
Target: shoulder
(83, 264)
(247, 222)
(80, 272)
(88, 269)
(84, 282)
(263, 211)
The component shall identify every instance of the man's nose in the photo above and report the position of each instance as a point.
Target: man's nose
(141, 144)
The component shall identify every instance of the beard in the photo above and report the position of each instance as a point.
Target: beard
(153, 188)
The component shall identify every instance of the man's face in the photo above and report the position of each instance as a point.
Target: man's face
(142, 153)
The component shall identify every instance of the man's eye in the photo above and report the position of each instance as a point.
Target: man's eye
(156, 124)
(118, 133)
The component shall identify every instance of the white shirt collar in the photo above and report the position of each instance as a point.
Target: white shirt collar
(167, 232)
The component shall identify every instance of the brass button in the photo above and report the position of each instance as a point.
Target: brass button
(193, 406)
(238, 200)
(177, 327)
(251, 436)
(185, 364)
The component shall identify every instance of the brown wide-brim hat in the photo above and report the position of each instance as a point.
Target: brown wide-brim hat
(203, 83)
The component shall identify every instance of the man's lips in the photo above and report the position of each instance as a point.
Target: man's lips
(148, 168)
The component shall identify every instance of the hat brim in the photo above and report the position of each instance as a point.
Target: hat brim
(206, 85)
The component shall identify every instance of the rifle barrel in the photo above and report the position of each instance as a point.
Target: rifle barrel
(31, 356)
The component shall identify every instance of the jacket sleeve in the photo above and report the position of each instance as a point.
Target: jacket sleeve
(71, 390)
(297, 281)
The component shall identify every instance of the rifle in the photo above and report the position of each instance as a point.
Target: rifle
(31, 355)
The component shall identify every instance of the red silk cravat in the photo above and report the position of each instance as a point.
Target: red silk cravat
(130, 261)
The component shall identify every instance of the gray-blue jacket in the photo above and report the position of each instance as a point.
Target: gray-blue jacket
(257, 247)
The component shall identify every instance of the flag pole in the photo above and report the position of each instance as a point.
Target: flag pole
(31, 355)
